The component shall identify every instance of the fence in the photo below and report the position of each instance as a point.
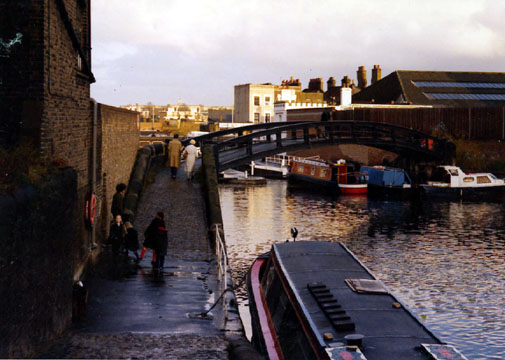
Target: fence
(223, 267)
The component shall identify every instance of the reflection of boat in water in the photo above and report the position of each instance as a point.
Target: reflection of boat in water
(336, 177)
(315, 300)
(384, 181)
(452, 182)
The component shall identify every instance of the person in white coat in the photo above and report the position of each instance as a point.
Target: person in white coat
(190, 153)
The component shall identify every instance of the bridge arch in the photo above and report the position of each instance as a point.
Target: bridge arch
(273, 138)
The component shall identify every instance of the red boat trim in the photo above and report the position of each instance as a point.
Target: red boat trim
(353, 188)
(267, 327)
(317, 345)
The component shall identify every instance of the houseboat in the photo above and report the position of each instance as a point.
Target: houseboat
(339, 177)
(315, 300)
(451, 182)
(385, 181)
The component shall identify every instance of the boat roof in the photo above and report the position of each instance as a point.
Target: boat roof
(391, 331)
(312, 162)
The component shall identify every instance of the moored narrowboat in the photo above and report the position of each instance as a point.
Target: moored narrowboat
(389, 182)
(338, 177)
(452, 182)
(315, 300)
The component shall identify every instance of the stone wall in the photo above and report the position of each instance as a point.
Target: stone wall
(120, 142)
(36, 271)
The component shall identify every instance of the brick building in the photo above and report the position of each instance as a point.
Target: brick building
(45, 77)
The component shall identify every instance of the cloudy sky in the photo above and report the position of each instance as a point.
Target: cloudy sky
(197, 50)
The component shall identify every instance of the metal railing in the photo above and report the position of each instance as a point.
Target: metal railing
(222, 266)
(285, 160)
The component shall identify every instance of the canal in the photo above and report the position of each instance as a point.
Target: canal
(444, 260)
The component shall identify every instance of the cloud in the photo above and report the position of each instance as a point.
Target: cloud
(199, 50)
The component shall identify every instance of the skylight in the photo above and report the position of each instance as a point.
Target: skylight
(455, 84)
(447, 96)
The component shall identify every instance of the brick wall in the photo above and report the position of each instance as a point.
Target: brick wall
(120, 142)
(45, 99)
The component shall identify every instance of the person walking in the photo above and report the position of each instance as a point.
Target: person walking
(190, 153)
(174, 155)
(118, 200)
(116, 234)
(132, 240)
(156, 239)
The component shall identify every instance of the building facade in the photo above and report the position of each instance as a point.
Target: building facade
(255, 103)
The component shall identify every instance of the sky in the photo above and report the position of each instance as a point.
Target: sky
(196, 51)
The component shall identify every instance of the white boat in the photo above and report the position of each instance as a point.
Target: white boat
(451, 181)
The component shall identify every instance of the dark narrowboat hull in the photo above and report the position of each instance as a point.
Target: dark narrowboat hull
(300, 178)
(392, 193)
(300, 303)
(471, 193)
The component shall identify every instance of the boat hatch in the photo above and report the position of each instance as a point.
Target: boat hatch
(366, 286)
(331, 308)
(345, 353)
(442, 352)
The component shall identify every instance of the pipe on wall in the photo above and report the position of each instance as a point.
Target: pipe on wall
(93, 166)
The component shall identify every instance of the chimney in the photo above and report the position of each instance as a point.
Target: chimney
(316, 85)
(331, 83)
(345, 96)
(376, 73)
(346, 82)
(361, 77)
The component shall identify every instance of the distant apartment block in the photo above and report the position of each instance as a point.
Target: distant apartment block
(254, 103)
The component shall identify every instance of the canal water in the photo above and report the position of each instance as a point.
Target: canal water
(444, 260)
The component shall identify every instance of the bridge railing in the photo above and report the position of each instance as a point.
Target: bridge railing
(289, 136)
(331, 132)
(220, 135)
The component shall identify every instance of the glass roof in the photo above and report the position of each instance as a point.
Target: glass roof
(456, 84)
(447, 96)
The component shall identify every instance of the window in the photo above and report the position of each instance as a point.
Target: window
(468, 179)
(257, 101)
(312, 171)
(256, 117)
(483, 180)
(324, 172)
(300, 169)
(79, 62)
(267, 100)
(267, 117)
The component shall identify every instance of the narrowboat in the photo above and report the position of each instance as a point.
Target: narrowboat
(338, 177)
(385, 181)
(316, 300)
(451, 182)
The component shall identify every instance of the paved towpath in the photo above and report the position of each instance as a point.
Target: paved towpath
(133, 314)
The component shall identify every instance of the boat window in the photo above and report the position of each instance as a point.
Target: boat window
(313, 171)
(289, 331)
(324, 172)
(483, 180)
(453, 172)
(493, 177)
(300, 169)
(468, 179)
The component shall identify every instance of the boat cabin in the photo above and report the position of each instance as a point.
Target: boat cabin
(319, 170)
(454, 177)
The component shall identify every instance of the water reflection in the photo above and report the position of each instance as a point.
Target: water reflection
(445, 260)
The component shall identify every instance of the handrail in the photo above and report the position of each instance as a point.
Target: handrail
(223, 266)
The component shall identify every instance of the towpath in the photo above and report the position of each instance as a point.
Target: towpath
(133, 314)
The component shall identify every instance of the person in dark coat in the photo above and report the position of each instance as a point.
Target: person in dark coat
(132, 240)
(116, 234)
(156, 238)
(117, 200)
